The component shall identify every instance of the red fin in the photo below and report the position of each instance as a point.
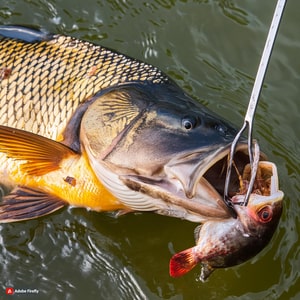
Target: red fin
(42, 154)
(182, 262)
(26, 203)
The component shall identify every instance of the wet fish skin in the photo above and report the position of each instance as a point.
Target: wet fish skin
(47, 175)
(103, 107)
(49, 76)
(51, 85)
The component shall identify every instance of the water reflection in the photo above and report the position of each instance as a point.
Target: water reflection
(235, 13)
(211, 48)
(59, 258)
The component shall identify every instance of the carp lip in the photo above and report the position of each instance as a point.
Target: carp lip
(195, 182)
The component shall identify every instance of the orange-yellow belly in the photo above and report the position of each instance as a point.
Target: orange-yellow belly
(74, 182)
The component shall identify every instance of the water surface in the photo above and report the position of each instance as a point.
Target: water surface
(211, 48)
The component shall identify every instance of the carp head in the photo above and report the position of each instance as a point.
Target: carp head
(156, 149)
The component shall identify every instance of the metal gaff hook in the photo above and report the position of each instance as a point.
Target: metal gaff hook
(249, 117)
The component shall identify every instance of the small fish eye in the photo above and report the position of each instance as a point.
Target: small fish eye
(189, 122)
(265, 214)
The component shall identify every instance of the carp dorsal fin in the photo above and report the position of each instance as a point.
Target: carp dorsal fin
(25, 34)
(41, 155)
(25, 203)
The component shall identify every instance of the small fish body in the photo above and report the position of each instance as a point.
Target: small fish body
(86, 126)
(230, 242)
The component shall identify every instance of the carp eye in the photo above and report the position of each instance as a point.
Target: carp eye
(189, 122)
(265, 214)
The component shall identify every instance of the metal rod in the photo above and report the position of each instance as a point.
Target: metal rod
(249, 117)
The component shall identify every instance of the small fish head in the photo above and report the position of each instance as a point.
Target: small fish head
(262, 214)
(261, 217)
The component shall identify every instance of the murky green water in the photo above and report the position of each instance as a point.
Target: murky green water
(212, 49)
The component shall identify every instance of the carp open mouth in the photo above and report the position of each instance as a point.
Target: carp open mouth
(216, 174)
(265, 182)
(195, 182)
(241, 176)
(191, 185)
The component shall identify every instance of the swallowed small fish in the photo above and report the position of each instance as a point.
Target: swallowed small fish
(230, 242)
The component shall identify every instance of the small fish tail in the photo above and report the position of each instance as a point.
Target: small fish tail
(182, 262)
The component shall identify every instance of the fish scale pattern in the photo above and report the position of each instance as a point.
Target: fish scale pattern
(42, 83)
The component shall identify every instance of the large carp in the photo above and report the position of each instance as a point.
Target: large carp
(87, 126)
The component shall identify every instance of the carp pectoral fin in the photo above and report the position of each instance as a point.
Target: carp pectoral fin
(25, 203)
(41, 155)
